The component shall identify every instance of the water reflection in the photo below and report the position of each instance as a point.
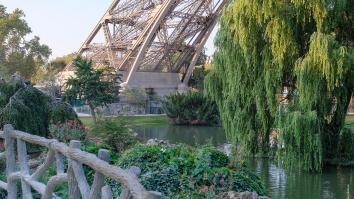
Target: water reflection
(334, 182)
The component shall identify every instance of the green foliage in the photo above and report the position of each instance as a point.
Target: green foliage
(29, 109)
(346, 145)
(210, 157)
(182, 172)
(94, 148)
(246, 181)
(301, 134)
(115, 134)
(202, 58)
(165, 180)
(60, 112)
(297, 52)
(179, 172)
(191, 108)
(67, 131)
(48, 73)
(16, 53)
(8, 89)
(188, 195)
(134, 121)
(59, 63)
(60, 190)
(94, 87)
(136, 96)
(3, 193)
(197, 78)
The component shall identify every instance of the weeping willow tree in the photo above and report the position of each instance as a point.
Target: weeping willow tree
(286, 65)
(29, 109)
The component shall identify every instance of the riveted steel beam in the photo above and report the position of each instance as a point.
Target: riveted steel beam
(158, 36)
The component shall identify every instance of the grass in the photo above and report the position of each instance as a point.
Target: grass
(350, 121)
(158, 120)
(135, 121)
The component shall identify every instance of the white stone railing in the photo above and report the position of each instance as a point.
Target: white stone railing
(17, 169)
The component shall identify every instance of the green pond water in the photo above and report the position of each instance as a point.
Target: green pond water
(332, 183)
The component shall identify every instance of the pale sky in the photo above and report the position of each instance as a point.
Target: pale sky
(64, 24)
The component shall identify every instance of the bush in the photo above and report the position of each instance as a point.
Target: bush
(191, 108)
(27, 110)
(178, 172)
(114, 133)
(246, 181)
(165, 180)
(70, 130)
(346, 145)
(60, 112)
(183, 172)
(212, 158)
(30, 110)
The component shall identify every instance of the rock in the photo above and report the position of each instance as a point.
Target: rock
(226, 149)
(242, 195)
(154, 142)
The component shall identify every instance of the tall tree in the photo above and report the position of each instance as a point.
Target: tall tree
(58, 64)
(48, 73)
(16, 53)
(30, 109)
(286, 65)
(96, 87)
(197, 79)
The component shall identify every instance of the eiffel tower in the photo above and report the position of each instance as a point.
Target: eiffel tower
(154, 44)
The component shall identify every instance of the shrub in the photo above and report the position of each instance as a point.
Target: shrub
(245, 180)
(60, 112)
(114, 133)
(165, 180)
(186, 172)
(70, 130)
(346, 145)
(27, 110)
(30, 110)
(211, 157)
(191, 108)
(94, 148)
(3, 177)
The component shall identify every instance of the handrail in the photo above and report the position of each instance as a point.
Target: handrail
(75, 177)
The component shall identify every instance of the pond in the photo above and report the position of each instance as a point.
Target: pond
(192, 136)
(332, 183)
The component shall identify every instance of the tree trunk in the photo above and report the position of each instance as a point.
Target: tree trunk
(93, 113)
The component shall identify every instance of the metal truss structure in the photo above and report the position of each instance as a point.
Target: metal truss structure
(161, 36)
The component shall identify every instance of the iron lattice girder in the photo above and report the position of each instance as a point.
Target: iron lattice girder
(152, 35)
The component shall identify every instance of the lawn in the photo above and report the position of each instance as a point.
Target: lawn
(156, 120)
(350, 121)
(149, 120)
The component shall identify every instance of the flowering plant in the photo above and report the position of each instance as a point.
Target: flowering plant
(70, 130)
